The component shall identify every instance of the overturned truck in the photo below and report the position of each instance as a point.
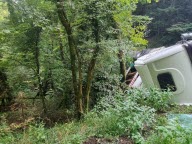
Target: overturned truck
(168, 67)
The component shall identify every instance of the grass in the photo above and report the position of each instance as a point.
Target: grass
(78, 132)
(183, 109)
(69, 133)
(123, 116)
(170, 131)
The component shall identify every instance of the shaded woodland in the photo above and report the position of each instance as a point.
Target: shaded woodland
(67, 51)
(65, 61)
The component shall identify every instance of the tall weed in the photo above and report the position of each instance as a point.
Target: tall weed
(153, 97)
(128, 114)
(172, 133)
(122, 116)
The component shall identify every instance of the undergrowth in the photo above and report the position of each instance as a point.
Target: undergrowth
(132, 114)
(172, 133)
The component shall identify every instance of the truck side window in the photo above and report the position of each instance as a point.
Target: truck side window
(166, 81)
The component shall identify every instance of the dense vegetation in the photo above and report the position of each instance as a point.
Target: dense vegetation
(63, 69)
(170, 19)
(56, 50)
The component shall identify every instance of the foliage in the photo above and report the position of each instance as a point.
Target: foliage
(105, 85)
(122, 116)
(132, 112)
(35, 50)
(6, 135)
(181, 109)
(36, 134)
(170, 134)
(179, 28)
(170, 19)
(153, 97)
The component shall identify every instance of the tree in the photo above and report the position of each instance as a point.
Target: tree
(26, 23)
(69, 50)
(114, 16)
(5, 91)
(167, 17)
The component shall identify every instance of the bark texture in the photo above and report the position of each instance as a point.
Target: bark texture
(122, 65)
(77, 85)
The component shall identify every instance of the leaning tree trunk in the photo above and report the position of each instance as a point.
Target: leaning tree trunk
(89, 80)
(92, 62)
(73, 54)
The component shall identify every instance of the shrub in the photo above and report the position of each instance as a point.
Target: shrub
(131, 113)
(172, 133)
(128, 114)
(123, 116)
(153, 97)
(6, 135)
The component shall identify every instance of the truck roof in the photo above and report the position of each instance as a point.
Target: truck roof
(159, 53)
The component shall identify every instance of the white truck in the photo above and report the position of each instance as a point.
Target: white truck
(167, 67)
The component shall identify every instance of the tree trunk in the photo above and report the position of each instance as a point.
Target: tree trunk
(122, 65)
(88, 83)
(5, 94)
(61, 49)
(40, 93)
(73, 53)
(80, 94)
(92, 63)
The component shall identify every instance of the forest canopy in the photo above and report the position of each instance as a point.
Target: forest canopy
(60, 48)
(72, 51)
(66, 69)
